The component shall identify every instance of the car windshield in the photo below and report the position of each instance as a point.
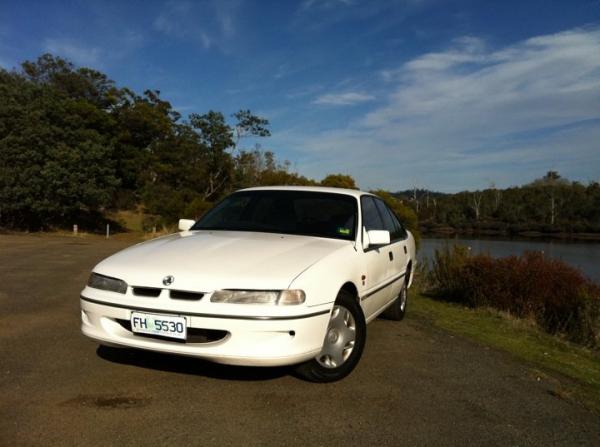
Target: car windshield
(306, 213)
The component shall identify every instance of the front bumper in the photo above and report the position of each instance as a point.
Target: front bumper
(249, 339)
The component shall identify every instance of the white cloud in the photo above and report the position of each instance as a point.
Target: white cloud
(466, 50)
(169, 21)
(226, 23)
(300, 92)
(454, 118)
(73, 51)
(318, 15)
(113, 48)
(283, 70)
(205, 40)
(211, 24)
(541, 82)
(343, 99)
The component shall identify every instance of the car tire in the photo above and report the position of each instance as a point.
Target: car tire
(397, 309)
(343, 345)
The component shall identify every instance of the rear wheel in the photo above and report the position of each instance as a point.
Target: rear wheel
(343, 345)
(397, 309)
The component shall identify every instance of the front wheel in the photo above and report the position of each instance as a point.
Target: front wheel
(343, 345)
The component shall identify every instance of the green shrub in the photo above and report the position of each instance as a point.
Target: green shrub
(446, 274)
(151, 222)
(196, 208)
(558, 297)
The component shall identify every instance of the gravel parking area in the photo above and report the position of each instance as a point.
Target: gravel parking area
(415, 385)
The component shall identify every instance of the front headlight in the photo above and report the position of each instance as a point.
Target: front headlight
(107, 283)
(280, 297)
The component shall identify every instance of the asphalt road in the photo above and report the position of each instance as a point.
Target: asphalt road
(415, 385)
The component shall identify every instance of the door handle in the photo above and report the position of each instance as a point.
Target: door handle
(391, 256)
(405, 250)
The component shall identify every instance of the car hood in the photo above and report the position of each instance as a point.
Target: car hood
(209, 260)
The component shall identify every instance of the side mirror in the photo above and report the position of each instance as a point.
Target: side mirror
(185, 224)
(376, 237)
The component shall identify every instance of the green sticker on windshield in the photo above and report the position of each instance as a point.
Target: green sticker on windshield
(345, 231)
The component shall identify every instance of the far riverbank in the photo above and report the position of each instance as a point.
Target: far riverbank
(449, 232)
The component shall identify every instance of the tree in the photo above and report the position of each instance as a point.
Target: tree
(75, 83)
(415, 198)
(55, 155)
(551, 183)
(476, 198)
(73, 143)
(497, 196)
(248, 124)
(220, 140)
(261, 168)
(339, 181)
(143, 122)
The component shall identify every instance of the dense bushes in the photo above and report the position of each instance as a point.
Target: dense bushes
(553, 294)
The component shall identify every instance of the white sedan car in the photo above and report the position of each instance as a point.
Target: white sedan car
(270, 276)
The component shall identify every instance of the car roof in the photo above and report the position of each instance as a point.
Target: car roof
(350, 192)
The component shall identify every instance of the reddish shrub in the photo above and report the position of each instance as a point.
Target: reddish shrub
(557, 296)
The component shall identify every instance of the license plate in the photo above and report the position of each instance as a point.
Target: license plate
(163, 325)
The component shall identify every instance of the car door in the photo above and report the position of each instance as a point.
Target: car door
(397, 250)
(375, 294)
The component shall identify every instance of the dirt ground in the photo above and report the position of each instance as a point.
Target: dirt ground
(415, 385)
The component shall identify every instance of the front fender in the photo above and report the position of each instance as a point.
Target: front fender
(323, 280)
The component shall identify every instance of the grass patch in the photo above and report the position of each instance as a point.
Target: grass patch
(130, 220)
(522, 339)
(140, 225)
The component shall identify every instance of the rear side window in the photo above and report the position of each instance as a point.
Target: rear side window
(388, 223)
(370, 216)
(402, 234)
(390, 220)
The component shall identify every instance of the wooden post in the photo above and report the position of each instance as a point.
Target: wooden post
(107, 231)
(75, 229)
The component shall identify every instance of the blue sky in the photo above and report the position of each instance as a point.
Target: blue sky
(440, 94)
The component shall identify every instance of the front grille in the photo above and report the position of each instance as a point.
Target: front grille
(184, 295)
(146, 291)
(154, 292)
(194, 335)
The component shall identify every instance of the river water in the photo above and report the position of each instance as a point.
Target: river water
(583, 255)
